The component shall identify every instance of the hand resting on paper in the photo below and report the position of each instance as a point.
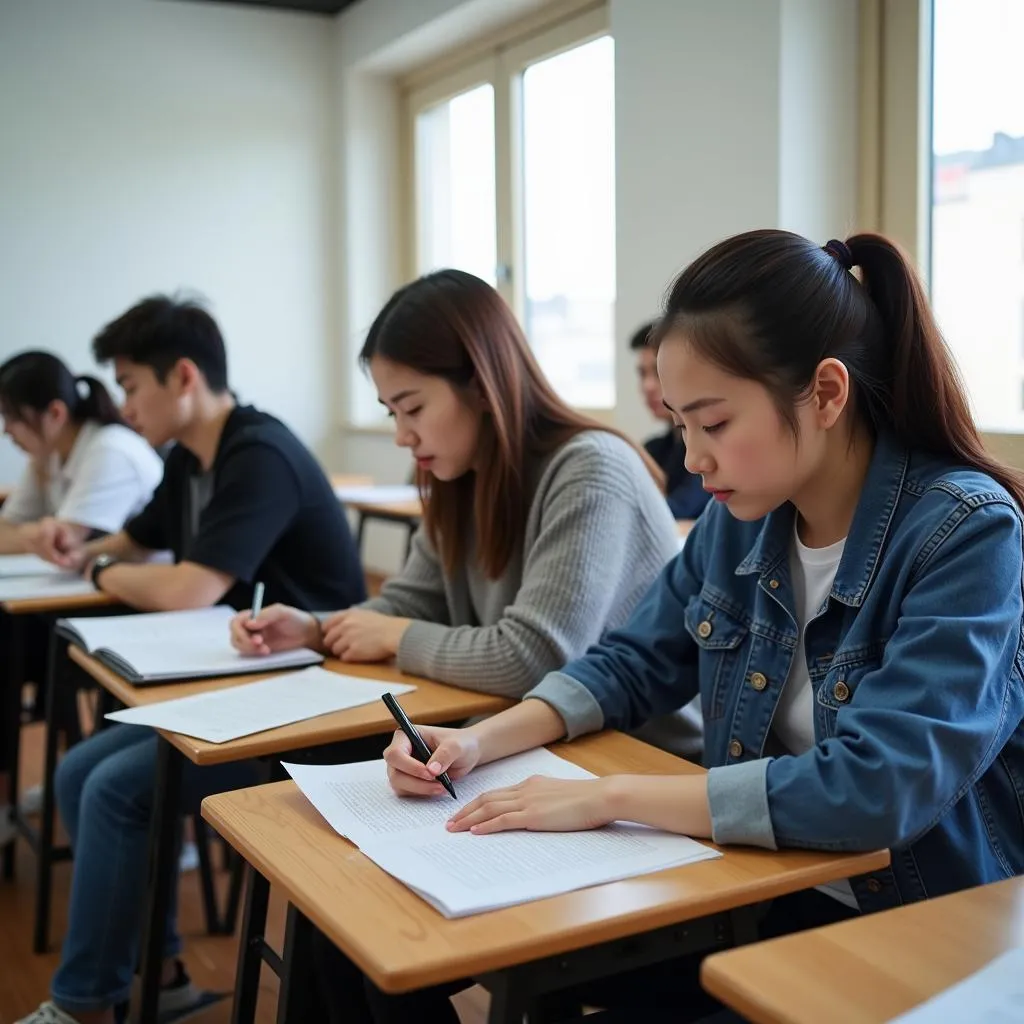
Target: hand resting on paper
(277, 628)
(56, 541)
(456, 751)
(539, 804)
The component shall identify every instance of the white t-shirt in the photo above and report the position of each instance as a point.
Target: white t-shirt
(108, 477)
(813, 571)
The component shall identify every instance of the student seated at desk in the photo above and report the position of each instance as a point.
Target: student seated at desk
(242, 500)
(683, 489)
(86, 474)
(850, 610)
(542, 528)
(87, 471)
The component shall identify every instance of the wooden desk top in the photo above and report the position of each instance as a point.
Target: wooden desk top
(429, 703)
(350, 480)
(58, 605)
(388, 509)
(403, 943)
(870, 969)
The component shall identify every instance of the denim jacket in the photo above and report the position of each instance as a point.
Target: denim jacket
(916, 663)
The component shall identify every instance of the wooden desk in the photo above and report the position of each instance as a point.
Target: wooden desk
(870, 969)
(59, 606)
(350, 480)
(430, 702)
(410, 945)
(405, 513)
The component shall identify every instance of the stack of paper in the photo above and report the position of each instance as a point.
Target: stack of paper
(994, 995)
(173, 645)
(22, 588)
(378, 495)
(461, 873)
(26, 565)
(255, 707)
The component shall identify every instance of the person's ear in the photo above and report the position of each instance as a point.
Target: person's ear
(184, 377)
(830, 392)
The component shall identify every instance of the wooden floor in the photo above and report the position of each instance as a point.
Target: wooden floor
(25, 978)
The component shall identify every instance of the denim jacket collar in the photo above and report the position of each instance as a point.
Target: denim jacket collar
(868, 532)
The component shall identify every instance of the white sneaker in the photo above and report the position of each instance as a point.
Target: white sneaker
(7, 829)
(31, 801)
(47, 1014)
(189, 859)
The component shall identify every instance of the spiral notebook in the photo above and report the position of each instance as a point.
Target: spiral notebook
(162, 646)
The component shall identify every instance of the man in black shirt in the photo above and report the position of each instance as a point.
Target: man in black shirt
(242, 501)
(684, 490)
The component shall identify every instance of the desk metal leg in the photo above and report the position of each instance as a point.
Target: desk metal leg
(163, 848)
(46, 858)
(12, 644)
(298, 1002)
(250, 949)
(509, 1002)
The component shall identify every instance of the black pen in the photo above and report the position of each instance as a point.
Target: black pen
(420, 750)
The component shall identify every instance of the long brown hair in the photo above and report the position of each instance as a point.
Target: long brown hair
(453, 325)
(770, 305)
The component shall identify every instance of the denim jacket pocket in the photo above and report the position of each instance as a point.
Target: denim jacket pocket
(840, 683)
(720, 637)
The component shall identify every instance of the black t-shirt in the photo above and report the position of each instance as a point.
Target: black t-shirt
(684, 490)
(265, 513)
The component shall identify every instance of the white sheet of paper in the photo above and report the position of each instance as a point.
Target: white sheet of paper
(993, 995)
(378, 495)
(26, 565)
(461, 874)
(20, 588)
(255, 707)
(178, 645)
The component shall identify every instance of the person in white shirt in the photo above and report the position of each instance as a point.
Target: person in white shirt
(87, 473)
(86, 469)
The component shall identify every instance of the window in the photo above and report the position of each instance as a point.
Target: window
(977, 207)
(455, 211)
(513, 166)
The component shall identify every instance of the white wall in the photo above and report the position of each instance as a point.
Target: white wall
(150, 146)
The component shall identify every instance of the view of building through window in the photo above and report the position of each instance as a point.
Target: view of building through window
(977, 229)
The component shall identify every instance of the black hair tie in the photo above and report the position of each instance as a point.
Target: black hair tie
(839, 251)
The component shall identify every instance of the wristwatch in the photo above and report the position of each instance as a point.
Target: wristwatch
(100, 563)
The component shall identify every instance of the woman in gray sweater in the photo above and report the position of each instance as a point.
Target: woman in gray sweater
(542, 528)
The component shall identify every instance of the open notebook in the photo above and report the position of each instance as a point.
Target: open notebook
(26, 565)
(161, 646)
(459, 873)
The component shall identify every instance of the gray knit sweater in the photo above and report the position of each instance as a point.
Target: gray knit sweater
(597, 533)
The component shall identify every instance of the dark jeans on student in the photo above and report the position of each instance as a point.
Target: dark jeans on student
(666, 991)
(104, 791)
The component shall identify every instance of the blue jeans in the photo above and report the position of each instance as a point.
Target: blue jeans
(104, 791)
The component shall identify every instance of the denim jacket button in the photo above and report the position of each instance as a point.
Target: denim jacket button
(841, 691)
(873, 885)
(758, 680)
(774, 584)
(735, 749)
(704, 630)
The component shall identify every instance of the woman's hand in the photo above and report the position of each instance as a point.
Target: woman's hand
(360, 635)
(277, 628)
(539, 804)
(456, 751)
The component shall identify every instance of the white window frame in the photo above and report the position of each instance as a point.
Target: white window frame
(499, 61)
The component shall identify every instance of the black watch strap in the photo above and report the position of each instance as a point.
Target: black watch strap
(101, 563)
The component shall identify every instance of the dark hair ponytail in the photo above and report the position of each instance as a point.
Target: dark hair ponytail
(770, 305)
(30, 381)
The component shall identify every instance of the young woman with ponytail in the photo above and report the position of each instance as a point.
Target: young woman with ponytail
(849, 610)
(87, 472)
